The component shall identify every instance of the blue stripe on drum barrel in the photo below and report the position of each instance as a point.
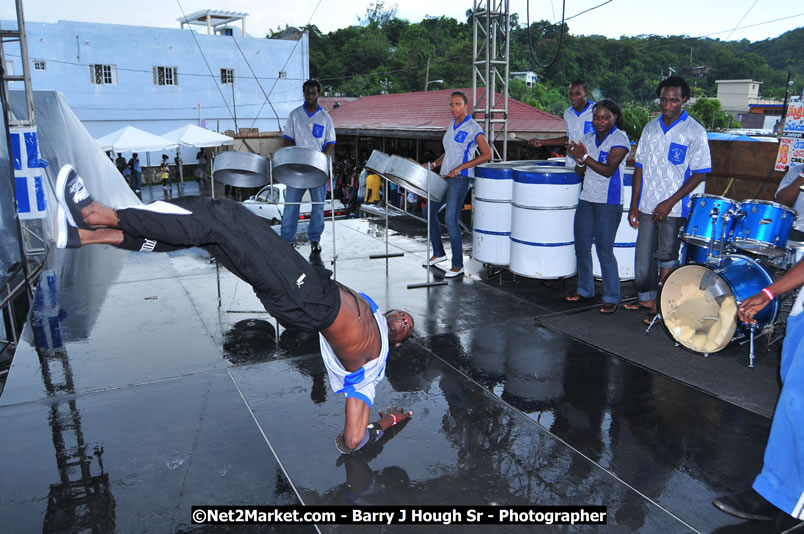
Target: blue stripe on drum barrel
(494, 172)
(529, 243)
(490, 232)
(546, 175)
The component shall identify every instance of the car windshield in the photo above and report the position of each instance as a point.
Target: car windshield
(269, 194)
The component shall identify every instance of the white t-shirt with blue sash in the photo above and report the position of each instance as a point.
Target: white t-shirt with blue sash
(596, 187)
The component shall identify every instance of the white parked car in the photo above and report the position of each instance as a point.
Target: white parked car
(268, 203)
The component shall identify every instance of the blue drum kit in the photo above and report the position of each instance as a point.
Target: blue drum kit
(731, 251)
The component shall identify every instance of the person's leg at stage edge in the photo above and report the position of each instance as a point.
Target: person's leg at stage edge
(456, 194)
(290, 215)
(316, 226)
(606, 221)
(584, 235)
(646, 276)
(667, 247)
(780, 484)
(438, 252)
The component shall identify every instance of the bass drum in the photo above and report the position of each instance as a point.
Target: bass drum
(698, 303)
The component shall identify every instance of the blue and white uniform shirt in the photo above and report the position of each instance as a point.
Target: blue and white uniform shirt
(310, 130)
(460, 145)
(668, 156)
(792, 174)
(360, 384)
(578, 124)
(596, 187)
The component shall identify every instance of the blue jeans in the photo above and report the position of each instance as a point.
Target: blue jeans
(597, 223)
(656, 247)
(782, 478)
(456, 193)
(290, 217)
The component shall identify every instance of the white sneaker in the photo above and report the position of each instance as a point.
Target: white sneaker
(453, 274)
(434, 260)
(66, 234)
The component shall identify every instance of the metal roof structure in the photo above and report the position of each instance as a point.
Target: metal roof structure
(425, 115)
(212, 18)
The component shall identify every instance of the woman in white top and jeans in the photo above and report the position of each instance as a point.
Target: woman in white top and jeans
(461, 142)
(600, 157)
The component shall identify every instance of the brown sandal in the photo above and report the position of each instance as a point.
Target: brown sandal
(648, 320)
(633, 306)
(608, 308)
(574, 298)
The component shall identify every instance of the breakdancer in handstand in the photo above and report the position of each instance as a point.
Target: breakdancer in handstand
(354, 336)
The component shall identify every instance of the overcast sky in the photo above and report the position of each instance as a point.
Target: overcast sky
(615, 18)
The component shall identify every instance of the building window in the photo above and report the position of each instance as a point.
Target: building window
(282, 74)
(166, 76)
(103, 74)
(39, 64)
(227, 75)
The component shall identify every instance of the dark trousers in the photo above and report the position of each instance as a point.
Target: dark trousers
(291, 289)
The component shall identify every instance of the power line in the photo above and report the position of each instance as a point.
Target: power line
(742, 19)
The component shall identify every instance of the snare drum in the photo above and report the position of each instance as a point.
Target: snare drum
(764, 227)
(698, 229)
(698, 303)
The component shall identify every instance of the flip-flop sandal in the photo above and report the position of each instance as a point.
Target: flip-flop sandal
(633, 306)
(649, 318)
(574, 298)
(608, 308)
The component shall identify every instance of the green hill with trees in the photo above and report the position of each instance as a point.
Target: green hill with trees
(385, 53)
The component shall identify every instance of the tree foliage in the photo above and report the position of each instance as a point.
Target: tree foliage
(382, 47)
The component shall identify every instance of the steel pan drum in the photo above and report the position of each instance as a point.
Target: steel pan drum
(491, 230)
(699, 303)
(624, 240)
(542, 238)
(410, 175)
(300, 167)
(378, 161)
(240, 169)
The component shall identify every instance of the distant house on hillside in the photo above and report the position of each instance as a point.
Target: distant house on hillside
(741, 98)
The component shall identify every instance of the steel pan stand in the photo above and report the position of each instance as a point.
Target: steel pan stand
(428, 283)
(387, 254)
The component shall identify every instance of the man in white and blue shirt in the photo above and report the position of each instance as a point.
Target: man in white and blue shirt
(308, 126)
(672, 160)
(789, 193)
(577, 119)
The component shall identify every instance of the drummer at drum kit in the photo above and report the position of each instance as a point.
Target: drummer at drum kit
(461, 142)
(308, 126)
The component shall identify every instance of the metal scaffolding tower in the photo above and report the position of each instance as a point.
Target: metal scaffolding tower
(490, 71)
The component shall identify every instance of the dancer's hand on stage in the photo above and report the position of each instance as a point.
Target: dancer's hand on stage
(751, 306)
(394, 412)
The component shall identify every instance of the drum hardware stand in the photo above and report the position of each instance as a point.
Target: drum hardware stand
(751, 350)
(427, 260)
(656, 318)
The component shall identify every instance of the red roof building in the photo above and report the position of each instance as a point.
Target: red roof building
(426, 114)
(415, 122)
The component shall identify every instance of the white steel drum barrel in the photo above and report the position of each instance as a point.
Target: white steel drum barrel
(542, 240)
(491, 212)
(625, 240)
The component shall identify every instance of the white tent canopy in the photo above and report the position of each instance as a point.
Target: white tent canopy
(195, 136)
(131, 139)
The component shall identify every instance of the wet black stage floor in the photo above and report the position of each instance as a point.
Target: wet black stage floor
(134, 396)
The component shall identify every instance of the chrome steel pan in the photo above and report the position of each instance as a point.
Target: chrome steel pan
(378, 162)
(240, 169)
(410, 175)
(300, 167)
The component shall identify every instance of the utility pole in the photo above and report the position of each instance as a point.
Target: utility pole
(427, 74)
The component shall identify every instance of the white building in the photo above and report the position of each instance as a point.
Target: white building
(159, 79)
(734, 95)
(529, 77)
